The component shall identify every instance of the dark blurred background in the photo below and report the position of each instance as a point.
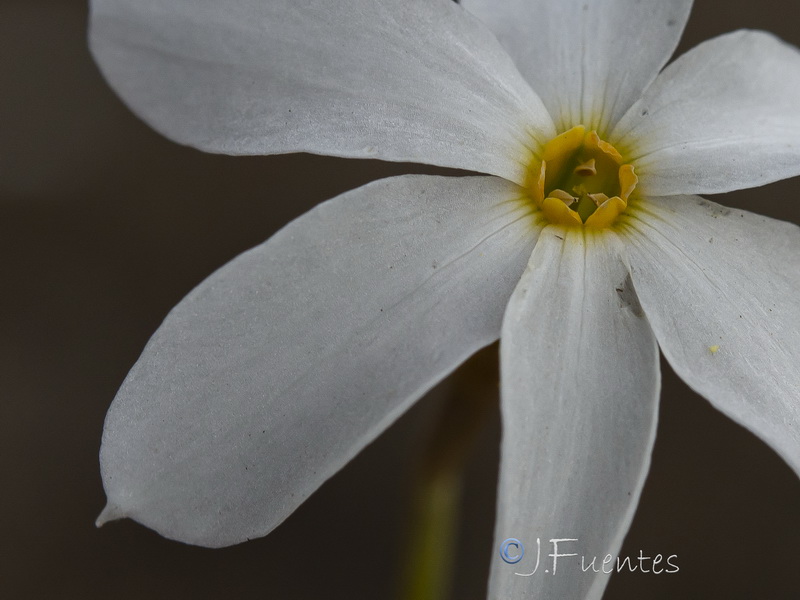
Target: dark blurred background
(105, 225)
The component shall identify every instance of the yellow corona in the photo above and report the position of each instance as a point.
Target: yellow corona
(581, 180)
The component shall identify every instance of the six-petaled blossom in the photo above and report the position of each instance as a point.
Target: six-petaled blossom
(583, 247)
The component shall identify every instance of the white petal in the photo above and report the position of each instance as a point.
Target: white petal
(722, 117)
(282, 365)
(721, 287)
(580, 401)
(415, 80)
(588, 60)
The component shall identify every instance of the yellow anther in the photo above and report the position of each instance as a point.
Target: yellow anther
(563, 196)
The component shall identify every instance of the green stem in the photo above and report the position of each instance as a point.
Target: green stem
(435, 519)
(437, 494)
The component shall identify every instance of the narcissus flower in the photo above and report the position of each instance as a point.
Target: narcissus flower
(582, 247)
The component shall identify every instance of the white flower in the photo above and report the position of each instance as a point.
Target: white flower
(283, 364)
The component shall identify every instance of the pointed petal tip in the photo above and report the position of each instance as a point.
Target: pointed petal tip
(111, 512)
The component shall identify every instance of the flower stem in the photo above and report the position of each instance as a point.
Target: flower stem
(437, 491)
(430, 564)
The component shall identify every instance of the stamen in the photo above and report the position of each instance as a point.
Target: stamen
(566, 198)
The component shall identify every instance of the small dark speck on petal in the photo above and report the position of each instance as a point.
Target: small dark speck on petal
(671, 23)
(628, 298)
(645, 112)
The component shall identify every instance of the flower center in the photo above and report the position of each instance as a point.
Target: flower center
(581, 180)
